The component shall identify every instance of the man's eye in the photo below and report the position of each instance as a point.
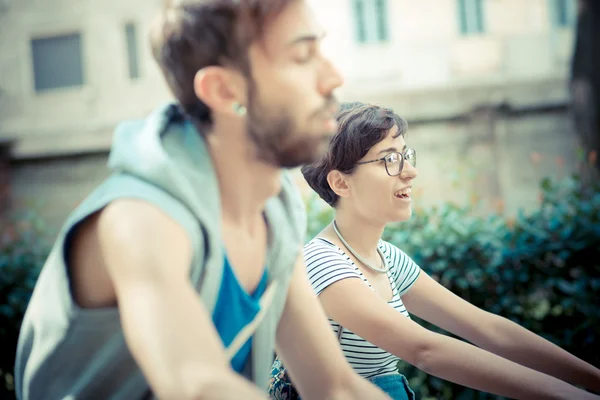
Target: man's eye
(304, 57)
(305, 54)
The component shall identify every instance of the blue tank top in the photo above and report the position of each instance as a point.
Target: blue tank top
(234, 309)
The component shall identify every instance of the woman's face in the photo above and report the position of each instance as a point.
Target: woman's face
(373, 192)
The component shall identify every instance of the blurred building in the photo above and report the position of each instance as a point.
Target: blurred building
(483, 84)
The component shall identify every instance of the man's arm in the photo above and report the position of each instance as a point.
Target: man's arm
(434, 303)
(310, 351)
(354, 305)
(168, 331)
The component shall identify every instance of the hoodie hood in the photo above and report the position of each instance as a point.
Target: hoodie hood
(166, 150)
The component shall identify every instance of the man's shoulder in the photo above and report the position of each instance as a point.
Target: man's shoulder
(290, 193)
(134, 221)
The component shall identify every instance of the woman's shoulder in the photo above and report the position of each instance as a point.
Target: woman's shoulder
(395, 255)
(326, 264)
(390, 248)
(322, 245)
(320, 251)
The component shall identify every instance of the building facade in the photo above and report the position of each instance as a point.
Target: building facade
(483, 84)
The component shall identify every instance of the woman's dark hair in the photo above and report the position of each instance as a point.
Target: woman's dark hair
(360, 127)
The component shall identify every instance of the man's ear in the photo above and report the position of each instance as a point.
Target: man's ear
(338, 182)
(221, 89)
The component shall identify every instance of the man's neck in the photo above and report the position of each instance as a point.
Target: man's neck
(245, 183)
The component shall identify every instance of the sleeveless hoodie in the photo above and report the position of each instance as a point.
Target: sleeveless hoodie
(65, 351)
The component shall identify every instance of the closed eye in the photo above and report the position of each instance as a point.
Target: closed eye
(305, 53)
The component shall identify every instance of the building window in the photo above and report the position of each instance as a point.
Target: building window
(371, 20)
(57, 62)
(470, 14)
(564, 12)
(132, 51)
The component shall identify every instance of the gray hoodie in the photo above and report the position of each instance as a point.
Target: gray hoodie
(65, 351)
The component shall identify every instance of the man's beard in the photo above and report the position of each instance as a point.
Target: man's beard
(278, 140)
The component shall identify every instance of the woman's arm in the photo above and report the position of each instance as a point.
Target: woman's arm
(434, 303)
(351, 303)
(310, 351)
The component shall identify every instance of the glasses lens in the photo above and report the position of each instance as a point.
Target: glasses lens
(393, 164)
(411, 156)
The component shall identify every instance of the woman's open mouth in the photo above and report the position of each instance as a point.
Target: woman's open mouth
(403, 194)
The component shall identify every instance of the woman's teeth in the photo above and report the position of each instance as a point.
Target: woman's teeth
(403, 194)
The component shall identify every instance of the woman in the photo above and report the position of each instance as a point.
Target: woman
(370, 287)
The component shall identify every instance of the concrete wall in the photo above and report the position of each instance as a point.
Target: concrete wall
(54, 187)
(490, 158)
(4, 181)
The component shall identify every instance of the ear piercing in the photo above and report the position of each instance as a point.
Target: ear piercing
(239, 109)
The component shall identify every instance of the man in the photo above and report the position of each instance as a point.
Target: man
(180, 272)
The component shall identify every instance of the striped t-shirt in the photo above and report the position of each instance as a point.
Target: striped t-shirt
(326, 263)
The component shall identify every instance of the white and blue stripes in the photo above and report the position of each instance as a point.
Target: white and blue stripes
(326, 264)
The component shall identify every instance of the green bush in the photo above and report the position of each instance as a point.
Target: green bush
(541, 270)
(23, 250)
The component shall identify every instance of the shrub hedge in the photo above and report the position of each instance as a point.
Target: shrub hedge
(541, 270)
(23, 250)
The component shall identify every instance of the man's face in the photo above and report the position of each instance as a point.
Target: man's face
(291, 109)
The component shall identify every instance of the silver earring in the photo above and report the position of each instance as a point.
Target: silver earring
(239, 109)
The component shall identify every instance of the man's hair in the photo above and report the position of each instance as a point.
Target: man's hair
(189, 35)
(360, 127)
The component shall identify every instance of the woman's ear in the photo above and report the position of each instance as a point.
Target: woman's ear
(338, 182)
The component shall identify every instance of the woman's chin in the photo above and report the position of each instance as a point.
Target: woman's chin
(403, 215)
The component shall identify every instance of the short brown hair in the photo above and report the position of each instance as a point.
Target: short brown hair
(189, 35)
(360, 127)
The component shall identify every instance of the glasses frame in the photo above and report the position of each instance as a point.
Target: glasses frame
(402, 156)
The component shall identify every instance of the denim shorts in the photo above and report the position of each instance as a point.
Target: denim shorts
(395, 385)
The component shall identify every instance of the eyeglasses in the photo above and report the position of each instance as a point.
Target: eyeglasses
(394, 162)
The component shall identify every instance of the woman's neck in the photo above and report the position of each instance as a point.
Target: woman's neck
(360, 233)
